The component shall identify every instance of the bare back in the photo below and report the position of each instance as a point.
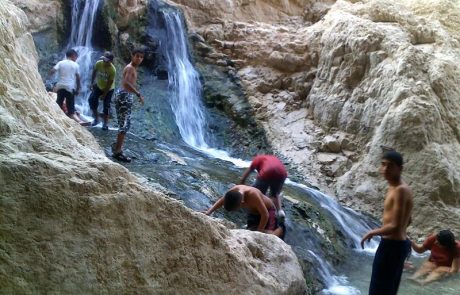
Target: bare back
(397, 210)
(128, 81)
(253, 199)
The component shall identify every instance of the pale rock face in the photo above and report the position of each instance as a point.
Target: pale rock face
(42, 15)
(365, 74)
(128, 10)
(74, 222)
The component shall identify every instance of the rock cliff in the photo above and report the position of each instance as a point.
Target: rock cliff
(335, 83)
(74, 222)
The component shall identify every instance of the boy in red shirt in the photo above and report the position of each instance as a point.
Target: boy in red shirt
(444, 258)
(271, 173)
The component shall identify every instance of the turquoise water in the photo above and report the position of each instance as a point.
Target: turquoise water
(358, 269)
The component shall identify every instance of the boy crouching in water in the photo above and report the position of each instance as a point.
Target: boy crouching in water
(261, 209)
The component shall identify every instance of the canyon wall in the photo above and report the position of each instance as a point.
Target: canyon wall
(336, 83)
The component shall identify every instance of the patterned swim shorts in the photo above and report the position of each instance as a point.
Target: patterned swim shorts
(123, 104)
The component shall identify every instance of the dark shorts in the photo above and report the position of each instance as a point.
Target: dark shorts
(123, 105)
(275, 186)
(69, 98)
(388, 266)
(94, 100)
(272, 223)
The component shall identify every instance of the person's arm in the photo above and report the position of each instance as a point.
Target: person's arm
(245, 175)
(418, 248)
(216, 206)
(262, 209)
(77, 91)
(51, 72)
(397, 221)
(107, 87)
(93, 76)
(452, 269)
(455, 265)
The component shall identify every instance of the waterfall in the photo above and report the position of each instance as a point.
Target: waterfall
(80, 40)
(167, 26)
(351, 222)
(184, 80)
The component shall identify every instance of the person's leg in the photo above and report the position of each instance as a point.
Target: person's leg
(107, 100)
(94, 104)
(119, 142)
(123, 106)
(261, 185)
(70, 103)
(435, 275)
(60, 98)
(426, 267)
(378, 271)
(400, 251)
(279, 232)
(275, 194)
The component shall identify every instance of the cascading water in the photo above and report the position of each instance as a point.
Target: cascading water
(350, 221)
(166, 25)
(80, 40)
(184, 81)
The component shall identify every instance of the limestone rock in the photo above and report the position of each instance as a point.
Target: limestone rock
(42, 15)
(129, 10)
(74, 222)
(378, 72)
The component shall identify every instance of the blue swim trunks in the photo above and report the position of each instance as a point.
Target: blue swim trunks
(388, 266)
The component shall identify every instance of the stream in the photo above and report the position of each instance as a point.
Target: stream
(169, 143)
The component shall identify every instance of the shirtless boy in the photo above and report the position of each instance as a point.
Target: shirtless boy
(394, 245)
(261, 210)
(124, 102)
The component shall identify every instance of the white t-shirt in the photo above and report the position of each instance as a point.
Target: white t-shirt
(66, 70)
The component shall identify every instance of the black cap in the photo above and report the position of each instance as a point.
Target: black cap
(108, 56)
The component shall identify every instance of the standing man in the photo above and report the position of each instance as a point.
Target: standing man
(124, 101)
(271, 173)
(104, 72)
(68, 84)
(394, 245)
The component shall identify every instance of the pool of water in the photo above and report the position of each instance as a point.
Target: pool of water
(358, 271)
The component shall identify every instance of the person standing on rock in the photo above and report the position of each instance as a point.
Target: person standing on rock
(394, 245)
(124, 98)
(104, 73)
(444, 259)
(261, 210)
(271, 173)
(68, 84)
